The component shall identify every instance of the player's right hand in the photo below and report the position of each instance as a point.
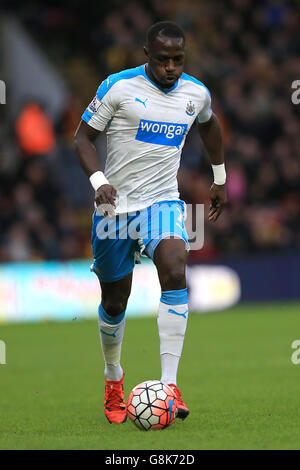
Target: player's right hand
(105, 197)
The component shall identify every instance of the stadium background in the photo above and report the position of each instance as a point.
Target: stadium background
(236, 372)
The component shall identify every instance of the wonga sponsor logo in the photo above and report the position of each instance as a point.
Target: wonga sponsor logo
(161, 133)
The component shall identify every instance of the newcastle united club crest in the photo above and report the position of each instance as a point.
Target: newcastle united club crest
(190, 109)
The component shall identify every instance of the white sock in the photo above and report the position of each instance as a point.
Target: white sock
(111, 337)
(169, 366)
(172, 322)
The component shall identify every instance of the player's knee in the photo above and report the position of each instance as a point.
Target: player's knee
(174, 277)
(114, 306)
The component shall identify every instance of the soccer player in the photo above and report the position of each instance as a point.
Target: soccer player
(146, 112)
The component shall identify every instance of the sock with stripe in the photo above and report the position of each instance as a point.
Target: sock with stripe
(111, 331)
(171, 321)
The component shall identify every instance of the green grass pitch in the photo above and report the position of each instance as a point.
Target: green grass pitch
(236, 376)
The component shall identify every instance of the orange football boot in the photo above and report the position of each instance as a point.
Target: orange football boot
(182, 409)
(114, 404)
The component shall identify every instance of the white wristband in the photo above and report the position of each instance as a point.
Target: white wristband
(219, 174)
(97, 179)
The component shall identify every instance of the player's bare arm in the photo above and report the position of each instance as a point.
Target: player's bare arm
(211, 136)
(86, 152)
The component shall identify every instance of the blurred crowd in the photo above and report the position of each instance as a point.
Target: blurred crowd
(246, 52)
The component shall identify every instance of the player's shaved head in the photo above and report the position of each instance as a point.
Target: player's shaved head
(167, 29)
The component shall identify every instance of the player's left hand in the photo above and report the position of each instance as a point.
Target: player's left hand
(218, 201)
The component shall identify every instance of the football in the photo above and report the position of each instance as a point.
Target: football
(151, 405)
